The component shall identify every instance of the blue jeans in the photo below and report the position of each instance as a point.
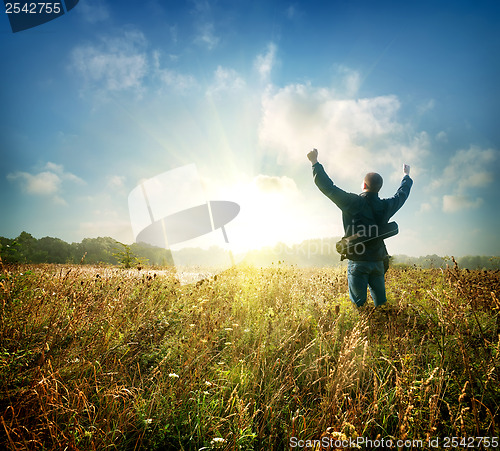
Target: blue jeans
(362, 275)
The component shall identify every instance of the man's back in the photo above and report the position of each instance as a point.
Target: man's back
(362, 211)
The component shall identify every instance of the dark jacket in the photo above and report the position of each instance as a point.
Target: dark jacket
(363, 212)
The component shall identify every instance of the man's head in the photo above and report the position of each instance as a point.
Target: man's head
(372, 182)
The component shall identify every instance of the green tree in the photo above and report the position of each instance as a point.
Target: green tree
(98, 250)
(27, 244)
(126, 257)
(9, 250)
(52, 250)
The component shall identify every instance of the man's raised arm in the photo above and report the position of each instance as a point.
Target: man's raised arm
(342, 199)
(397, 201)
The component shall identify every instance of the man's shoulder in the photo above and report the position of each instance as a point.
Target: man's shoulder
(371, 200)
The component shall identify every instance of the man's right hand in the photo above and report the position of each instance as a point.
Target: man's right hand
(313, 156)
(406, 169)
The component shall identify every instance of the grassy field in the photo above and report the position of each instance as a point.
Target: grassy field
(265, 359)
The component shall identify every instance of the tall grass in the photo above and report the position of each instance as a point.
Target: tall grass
(103, 358)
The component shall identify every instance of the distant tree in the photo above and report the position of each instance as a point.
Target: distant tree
(154, 255)
(9, 250)
(126, 257)
(479, 262)
(52, 250)
(98, 250)
(77, 255)
(26, 247)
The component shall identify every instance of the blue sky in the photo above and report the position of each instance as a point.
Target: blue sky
(113, 93)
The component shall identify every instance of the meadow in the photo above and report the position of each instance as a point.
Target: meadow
(98, 357)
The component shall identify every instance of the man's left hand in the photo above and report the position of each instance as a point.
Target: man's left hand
(313, 156)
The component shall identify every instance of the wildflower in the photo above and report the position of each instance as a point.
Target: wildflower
(173, 376)
(208, 384)
(217, 441)
(148, 421)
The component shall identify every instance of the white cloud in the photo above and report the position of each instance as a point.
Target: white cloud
(442, 136)
(59, 201)
(116, 64)
(47, 182)
(122, 63)
(354, 135)
(44, 183)
(265, 63)
(206, 36)
(93, 11)
(225, 80)
(351, 81)
(266, 183)
(425, 207)
(426, 106)
(452, 203)
(181, 82)
(116, 182)
(59, 170)
(171, 78)
(468, 169)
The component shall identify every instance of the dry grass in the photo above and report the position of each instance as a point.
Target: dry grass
(102, 358)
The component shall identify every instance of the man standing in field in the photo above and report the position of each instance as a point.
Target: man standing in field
(360, 215)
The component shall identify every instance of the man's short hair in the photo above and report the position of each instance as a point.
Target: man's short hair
(373, 181)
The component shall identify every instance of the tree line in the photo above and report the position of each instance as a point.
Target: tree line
(323, 253)
(105, 250)
(28, 249)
